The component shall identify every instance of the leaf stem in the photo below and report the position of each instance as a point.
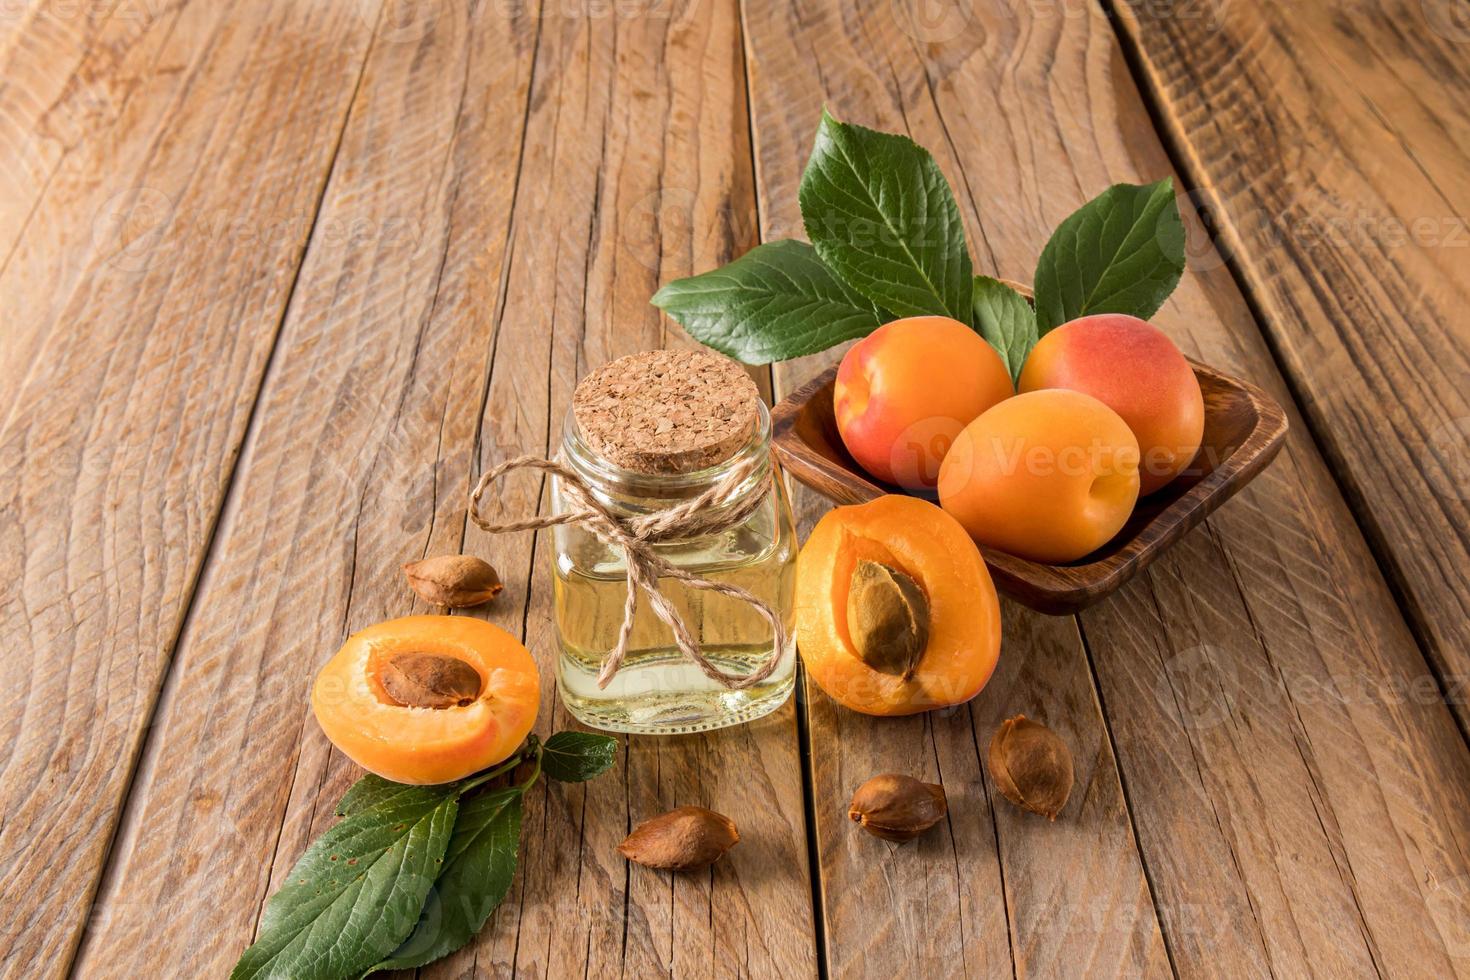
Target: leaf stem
(530, 780)
(531, 749)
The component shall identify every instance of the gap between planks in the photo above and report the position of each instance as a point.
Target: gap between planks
(1192, 178)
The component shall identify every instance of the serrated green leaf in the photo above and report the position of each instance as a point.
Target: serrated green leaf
(373, 790)
(479, 865)
(1006, 320)
(574, 757)
(775, 302)
(370, 791)
(1122, 252)
(356, 892)
(881, 215)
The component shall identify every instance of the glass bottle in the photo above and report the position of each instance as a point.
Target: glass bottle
(658, 690)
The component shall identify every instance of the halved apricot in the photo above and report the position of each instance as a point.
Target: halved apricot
(428, 699)
(920, 542)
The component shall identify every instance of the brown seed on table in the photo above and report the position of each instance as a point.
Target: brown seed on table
(683, 839)
(897, 807)
(453, 580)
(1031, 766)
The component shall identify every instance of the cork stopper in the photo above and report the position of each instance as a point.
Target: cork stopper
(666, 411)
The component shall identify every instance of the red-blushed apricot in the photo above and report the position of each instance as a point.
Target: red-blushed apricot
(1048, 475)
(919, 541)
(907, 389)
(1134, 369)
(428, 699)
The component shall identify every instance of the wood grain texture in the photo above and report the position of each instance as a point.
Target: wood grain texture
(358, 461)
(1333, 157)
(993, 891)
(637, 171)
(65, 71)
(1319, 822)
(137, 328)
(514, 182)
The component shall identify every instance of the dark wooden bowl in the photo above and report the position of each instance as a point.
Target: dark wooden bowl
(1244, 430)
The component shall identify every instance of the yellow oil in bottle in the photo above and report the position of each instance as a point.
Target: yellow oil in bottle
(658, 690)
(682, 435)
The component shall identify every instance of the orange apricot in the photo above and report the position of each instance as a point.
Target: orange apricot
(1133, 368)
(907, 389)
(914, 541)
(428, 699)
(1049, 475)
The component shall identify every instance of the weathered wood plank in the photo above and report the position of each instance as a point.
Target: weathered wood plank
(65, 71)
(638, 170)
(137, 327)
(995, 889)
(538, 159)
(1334, 157)
(358, 460)
(1318, 823)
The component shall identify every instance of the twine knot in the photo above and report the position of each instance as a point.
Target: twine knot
(635, 537)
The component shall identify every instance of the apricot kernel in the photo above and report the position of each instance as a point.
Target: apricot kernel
(684, 839)
(896, 807)
(1031, 766)
(427, 680)
(456, 581)
(887, 618)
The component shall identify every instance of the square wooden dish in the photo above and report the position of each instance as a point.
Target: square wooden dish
(1244, 430)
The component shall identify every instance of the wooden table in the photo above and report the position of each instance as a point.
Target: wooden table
(280, 278)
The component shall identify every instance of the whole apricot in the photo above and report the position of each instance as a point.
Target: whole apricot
(907, 389)
(1048, 475)
(931, 596)
(428, 699)
(1134, 369)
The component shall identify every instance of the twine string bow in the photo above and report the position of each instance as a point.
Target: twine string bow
(635, 537)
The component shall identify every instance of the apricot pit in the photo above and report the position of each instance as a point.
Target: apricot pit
(887, 617)
(897, 807)
(423, 680)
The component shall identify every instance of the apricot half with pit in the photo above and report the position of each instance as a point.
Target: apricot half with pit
(428, 699)
(895, 609)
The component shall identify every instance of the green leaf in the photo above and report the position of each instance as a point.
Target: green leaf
(371, 791)
(574, 757)
(1122, 252)
(775, 302)
(478, 867)
(356, 892)
(1004, 318)
(881, 216)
